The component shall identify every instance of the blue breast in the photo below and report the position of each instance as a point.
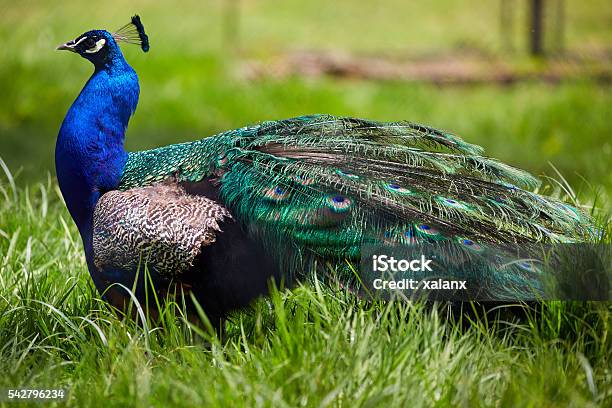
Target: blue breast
(89, 153)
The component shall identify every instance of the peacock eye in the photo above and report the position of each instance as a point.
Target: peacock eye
(89, 43)
(95, 47)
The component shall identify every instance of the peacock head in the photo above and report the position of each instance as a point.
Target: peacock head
(100, 46)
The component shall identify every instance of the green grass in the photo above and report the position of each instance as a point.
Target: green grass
(311, 346)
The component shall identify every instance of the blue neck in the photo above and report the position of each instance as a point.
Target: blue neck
(89, 153)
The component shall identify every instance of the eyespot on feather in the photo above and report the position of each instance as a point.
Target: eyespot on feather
(468, 243)
(276, 193)
(428, 230)
(398, 189)
(528, 266)
(450, 202)
(338, 203)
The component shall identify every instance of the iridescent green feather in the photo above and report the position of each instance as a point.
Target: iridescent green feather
(321, 186)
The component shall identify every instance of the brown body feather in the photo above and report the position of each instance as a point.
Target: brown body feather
(160, 225)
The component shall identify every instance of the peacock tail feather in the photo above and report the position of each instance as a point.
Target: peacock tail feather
(320, 187)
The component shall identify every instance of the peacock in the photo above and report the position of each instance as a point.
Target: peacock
(219, 218)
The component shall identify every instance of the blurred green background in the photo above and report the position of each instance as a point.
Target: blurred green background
(192, 86)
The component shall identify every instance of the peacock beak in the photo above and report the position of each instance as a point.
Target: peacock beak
(69, 46)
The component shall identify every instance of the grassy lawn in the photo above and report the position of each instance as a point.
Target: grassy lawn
(314, 345)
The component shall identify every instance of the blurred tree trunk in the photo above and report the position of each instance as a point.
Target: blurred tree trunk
(536, 25)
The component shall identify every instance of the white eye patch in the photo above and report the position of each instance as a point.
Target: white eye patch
(78, 42)
(99, 44)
